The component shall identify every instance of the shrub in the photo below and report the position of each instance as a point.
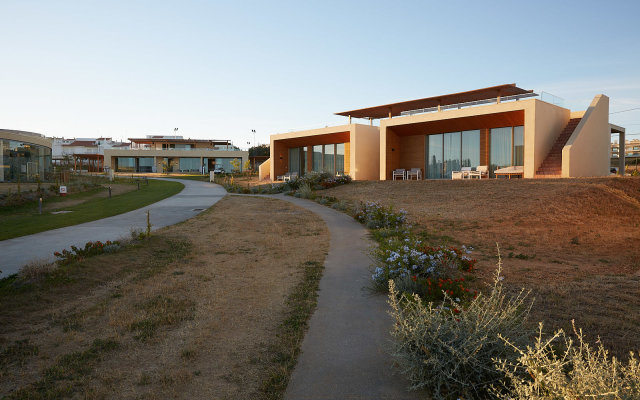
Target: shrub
(90, 249)
(577, 372)
(341, 205)
(305, 192)
(449, 349)
(375, 216)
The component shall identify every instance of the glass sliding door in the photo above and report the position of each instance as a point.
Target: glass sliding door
(294, 160)
(317, 158)
(500, 148)
(451, 149)
(329, 159)
(434, 156)
(470, 148)
(340, 158)
(518, 145)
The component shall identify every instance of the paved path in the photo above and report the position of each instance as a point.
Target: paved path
(194, 198)
(344, 352)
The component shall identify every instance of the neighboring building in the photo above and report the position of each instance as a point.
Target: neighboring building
(85, 153)
(631, 148)
(499, 127)
(24, 156)
(159, 153)
(631, 154)
(347, 149)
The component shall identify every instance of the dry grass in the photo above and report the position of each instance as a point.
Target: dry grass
(574, 241)
(191, 313)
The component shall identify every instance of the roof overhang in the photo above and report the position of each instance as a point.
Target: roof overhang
(616, 129)
(395, 109)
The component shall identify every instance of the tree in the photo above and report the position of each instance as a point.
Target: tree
(235, 165)
(261, 150)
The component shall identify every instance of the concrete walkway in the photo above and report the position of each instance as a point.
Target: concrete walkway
(193, 199)
(344, 352)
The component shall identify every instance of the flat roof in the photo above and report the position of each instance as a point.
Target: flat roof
(446, 99)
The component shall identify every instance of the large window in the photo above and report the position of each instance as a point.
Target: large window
(448, 152)
(189, 164)
(225, 163)
(328, 158)
(340, 158)
(434, 156)
(470, 148)
(507, 147)
(317, 158)
(126, 164)
(145, 164)
(294, 160)
(23, 161)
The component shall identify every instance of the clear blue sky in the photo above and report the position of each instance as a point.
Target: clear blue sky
(217, 69)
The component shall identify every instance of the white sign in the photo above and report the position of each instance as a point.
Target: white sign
(63, 190)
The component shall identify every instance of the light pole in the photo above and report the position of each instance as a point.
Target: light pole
(175, 131)
(254, 137)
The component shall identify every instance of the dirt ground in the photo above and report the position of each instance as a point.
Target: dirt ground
(575, 242)
(193, 312)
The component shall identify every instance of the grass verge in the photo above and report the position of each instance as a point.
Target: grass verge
(301, 303)
(25, 221)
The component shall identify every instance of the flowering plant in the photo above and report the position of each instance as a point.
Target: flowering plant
(421, 269)
(376, 216)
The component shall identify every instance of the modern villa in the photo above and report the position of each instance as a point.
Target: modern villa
(175, 154)
(502, 129)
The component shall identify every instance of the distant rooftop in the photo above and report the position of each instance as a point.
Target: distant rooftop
(396, 109)
(178, 139)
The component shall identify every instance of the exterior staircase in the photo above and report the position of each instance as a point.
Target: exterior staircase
(552, 165)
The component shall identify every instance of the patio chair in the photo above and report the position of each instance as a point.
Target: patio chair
(456, 174)
(482, 171)
(417, 172)
(466, 172)
(286, 176)
(400, 172)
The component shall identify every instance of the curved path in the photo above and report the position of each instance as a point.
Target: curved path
(343, 354)
(193, 199)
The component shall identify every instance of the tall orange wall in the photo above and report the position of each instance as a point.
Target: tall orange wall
(280, 160)
(412, 149)
(392, 152)
(347, 157)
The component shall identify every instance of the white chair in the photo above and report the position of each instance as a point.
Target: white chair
(417, 172)
(399, 173)
(286, 177)
(482, 171)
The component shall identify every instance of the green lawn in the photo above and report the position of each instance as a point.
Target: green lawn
(25, 220)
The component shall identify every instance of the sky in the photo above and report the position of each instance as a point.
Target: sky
(220, 69)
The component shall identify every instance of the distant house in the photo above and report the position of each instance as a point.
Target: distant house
(503, 128)
(156, 153)
(86, 154)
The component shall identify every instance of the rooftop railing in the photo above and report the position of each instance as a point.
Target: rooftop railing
(189, 149)
(468, 104)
